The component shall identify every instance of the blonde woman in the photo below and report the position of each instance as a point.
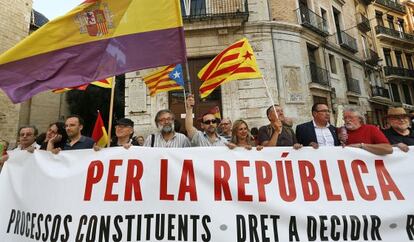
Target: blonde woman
(241, 136)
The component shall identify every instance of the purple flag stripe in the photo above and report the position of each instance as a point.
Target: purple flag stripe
(80, 64)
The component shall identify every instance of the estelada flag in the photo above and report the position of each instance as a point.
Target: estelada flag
(234, 63)
(164, 79)
(99, 133)
(95, 40)
(107, 83)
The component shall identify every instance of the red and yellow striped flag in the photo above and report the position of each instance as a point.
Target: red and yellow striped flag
(160, 81)
(234, 63)
(99, 133)
(106, 83)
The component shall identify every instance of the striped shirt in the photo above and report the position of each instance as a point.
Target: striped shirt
(201, 139)
(177, 141)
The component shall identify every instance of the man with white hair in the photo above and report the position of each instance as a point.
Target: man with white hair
(364, 136)
(166, 137)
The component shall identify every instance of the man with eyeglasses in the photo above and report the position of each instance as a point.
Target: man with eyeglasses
(27, 138)
(209, 123)
(364, 136)
(318, 132)
(399, 134)
(166, 137)
(225, 127)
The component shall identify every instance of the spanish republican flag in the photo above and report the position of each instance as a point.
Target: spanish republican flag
(95, 40)
(162, 80)
(99, 133)
(234, 63)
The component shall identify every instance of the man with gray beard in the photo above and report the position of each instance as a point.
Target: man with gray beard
(166, 137)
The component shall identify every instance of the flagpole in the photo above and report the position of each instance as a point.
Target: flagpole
(270, 97)
(187, 71)
(111, 110)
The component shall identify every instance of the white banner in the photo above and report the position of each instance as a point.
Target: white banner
(208, 194)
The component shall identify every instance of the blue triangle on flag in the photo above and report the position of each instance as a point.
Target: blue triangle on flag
(177, 75)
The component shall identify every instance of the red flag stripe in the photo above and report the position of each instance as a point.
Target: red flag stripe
(217, 59)
(158, 82)
(215, 84)
(155, 75)
(164, 87)
(211, 86)
(244, 69)
(224, 71)
(155, 78)
(229, 58)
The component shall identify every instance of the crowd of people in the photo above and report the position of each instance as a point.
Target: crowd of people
(215, 132)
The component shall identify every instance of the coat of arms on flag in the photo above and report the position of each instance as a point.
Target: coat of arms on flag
(95, 20)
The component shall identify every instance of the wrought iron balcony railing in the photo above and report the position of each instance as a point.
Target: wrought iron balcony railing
(214, 9)
(398, 71)
(392, 5)
(394, 33)
(313, 21)
(353, 85)
(319, 75)
(380, 92)
(371, 57)
(348, 42)
(363, 23)
(367, 2)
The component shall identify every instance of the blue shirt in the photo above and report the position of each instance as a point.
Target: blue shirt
(83, 143)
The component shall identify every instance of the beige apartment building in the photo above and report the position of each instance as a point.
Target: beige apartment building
(15, 19)
(308, 51)
(394, 41)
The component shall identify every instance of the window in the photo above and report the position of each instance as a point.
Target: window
(407, 95)
(387, 56)
(365, 47)
(325, 17)
(337, 18)
(399, 59)
(332, 63)
(378, 17)
(390, 20)
(409, 59)
(395, 93)
(400, 23)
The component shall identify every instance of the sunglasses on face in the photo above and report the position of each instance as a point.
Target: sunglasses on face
(211, 121)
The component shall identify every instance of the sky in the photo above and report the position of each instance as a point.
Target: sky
(54, 8)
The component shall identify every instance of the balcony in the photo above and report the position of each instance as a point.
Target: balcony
(398, 71)
(353, 85)
(367, 2)
(371, 57)
(348, 42)
(311, 20)
(391, 5)
(215, 9)
(394, 35)
(380, 92)
(319, 75)
(363, 23)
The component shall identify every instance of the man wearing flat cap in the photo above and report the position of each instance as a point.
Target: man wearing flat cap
(399, 134)
(124, 129)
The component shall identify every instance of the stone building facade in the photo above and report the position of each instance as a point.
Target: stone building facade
(14, 26)
(308, 51)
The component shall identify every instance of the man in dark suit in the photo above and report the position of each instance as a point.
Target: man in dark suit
(318, 132)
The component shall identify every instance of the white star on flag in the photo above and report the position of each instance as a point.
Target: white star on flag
(176, 75)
